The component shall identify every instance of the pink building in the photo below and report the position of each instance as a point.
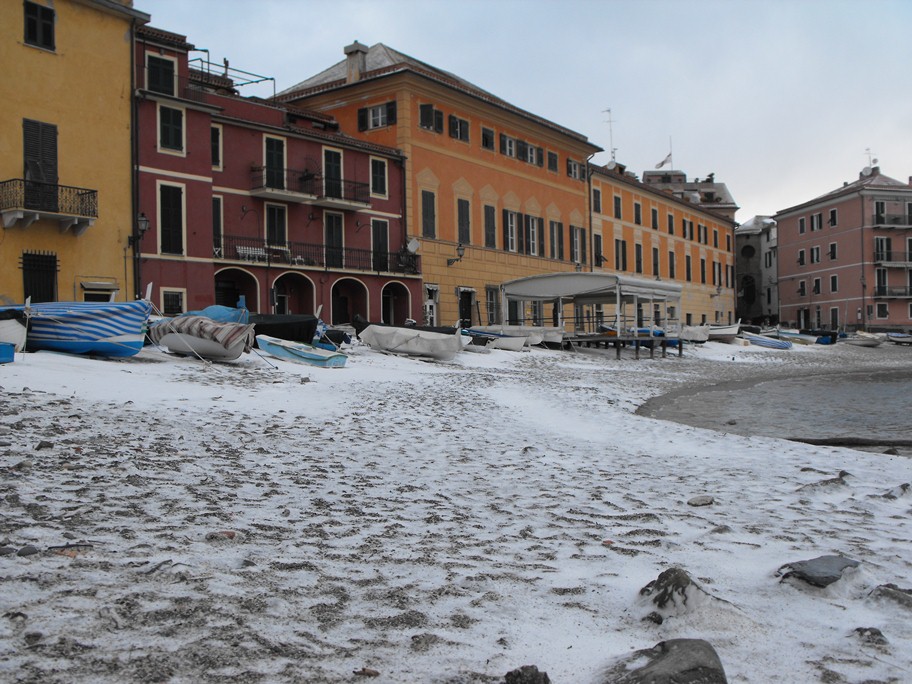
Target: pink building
(266, 204)
(845, 258)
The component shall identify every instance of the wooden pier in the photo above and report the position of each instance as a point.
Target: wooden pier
(605, 340)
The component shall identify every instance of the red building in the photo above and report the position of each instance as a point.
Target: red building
(261, 204)
(845, 258)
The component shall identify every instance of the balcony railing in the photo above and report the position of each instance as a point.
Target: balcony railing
(886, 292)
(903, 220)
(310, 255)
(295, 185)
(281, 181)
(171, 85)
(26, 201)
(891, 257)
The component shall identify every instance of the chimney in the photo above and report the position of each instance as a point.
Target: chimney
(356, 61)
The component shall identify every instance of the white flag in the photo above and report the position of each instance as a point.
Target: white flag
(662, 163)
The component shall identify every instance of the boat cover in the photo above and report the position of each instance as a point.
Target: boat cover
(225, 334)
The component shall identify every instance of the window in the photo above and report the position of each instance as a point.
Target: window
(597, 257)
(334, 250)
(728, 242)
(534, 155)
(671, 224)
(801, 226)
(832, 251)
(462, 221)
(620, 255)
(510, 219)
(802, 288)
(655, 261)
(834, 283)
(276, 228)
(596, 200)
(507, 145)
(170, 129)
(577, 245)
(637, 258)
(160, 75)
(703, 271)
(39, 276)
(801, 257)
(492, 301)
(215, 146)
(552, 161)
(380, 245)
(655, 218)
(428, 214)
(378, 177)
(172, 302)
(39, 26)
(217, 250)
(557, 240)
(487, 138)
(880, 210)
(671, 265)
(688, 274)
(378, 116)
(490, 226)
(274, 161)
(815, 255)
(834, 218)
(535, 238)
(638, 213)
(39, 141)
(618, 211)
(430, 118)
(716, 238)
(883, 311)
(459, 128)
(574, 169)
(171, 218)
(816, 222)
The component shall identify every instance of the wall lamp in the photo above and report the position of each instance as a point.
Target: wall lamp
(460, 252)
(142, 225)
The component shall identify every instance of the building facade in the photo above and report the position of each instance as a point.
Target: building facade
(256, 204)
(646, 231)
(756, 265)
(493, 192)
(66, 199)
(845, 258)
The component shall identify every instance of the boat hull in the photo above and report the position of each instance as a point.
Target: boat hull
(413, 342)
(203, 337)
(13, 330)
(767, 342)
(300, 352)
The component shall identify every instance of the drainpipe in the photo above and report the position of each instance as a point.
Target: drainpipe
(134, 171)
(589, 210)
(864, 282)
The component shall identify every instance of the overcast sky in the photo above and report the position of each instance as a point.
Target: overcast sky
(779, 98)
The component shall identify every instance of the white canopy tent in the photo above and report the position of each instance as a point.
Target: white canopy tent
(598, 288)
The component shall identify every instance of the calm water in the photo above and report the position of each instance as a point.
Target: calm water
(864, 405)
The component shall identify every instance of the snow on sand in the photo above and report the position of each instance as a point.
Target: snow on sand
(430, 522)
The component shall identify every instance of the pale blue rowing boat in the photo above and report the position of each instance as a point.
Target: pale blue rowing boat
(766, 341)
(301, 352)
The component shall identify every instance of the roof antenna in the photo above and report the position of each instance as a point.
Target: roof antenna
(871, 158)
(610, 133)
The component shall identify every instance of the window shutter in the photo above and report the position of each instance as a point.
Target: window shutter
(454, 126)
(582, 233)
(503, 143)
(541, 237)
(390, 113)
(522, 233)
(540, 155)
(362, 119)
(560, 241)
(522, 150)
(506, 228)
(569, 168)
(438, 121)
(426, 115)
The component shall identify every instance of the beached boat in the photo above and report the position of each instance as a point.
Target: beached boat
(202, 337)
(222, 314)
(899, 338)
(293, 327)
(766, 341)
(300, 352)
(533, 335)
(112, 329)
(502, 340)
(694, 333)
(13, 328)
(724, 333)
(860, 338)
(796, 336)
(413, 341)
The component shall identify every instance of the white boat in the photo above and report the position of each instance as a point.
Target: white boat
(502, 340)
(766, 341)
(414, 341)
(695, 333)
(202, 337)
(13, 328)
(724, 333)
(861, 338)
(533, 335)
(796, 336)
(899, 338)
(301, 352)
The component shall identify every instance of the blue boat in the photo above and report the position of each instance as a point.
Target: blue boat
(766, 341)
(114, 329)
(300, 352)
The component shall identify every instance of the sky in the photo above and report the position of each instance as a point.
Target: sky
(262, 520)
(783, 100)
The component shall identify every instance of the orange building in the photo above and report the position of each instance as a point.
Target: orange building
(645, 230)
(492, 192)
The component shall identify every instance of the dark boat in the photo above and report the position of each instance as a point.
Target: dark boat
(292, 327)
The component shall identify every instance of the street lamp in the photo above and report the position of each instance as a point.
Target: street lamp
(460, 252)
(133, 241)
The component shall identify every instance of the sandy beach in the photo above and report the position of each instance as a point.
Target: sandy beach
(167, 520)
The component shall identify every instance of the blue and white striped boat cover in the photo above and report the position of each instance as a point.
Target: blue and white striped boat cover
(104, 328)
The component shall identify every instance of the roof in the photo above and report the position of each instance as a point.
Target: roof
(590, 288)
(870, 178)
(381, 61)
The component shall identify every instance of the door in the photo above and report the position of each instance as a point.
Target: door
(333, 240)
(40, 173)
(466, 303)
(430, 304)
(275, 163)
(332, 174)
(380, 245)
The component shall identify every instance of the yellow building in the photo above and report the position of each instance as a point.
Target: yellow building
(493, 192)
(67, 219)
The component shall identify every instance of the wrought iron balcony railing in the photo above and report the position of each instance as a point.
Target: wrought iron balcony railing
(904, 220)
(889, 256)
(897, 292)
(48, 198)
(291, 180)
(307, 186)
(310, 255)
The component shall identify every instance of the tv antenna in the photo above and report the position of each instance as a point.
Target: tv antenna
(610, 132)
(872, 160)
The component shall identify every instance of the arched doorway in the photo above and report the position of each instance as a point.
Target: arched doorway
(395, 303)
(349, 297)
(232, 285)
(294, 294)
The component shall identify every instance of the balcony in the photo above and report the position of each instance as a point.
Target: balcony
(294, 185)
(885, 292)
(310, 256)
(891, 258)
(892, 220)
(23, 202)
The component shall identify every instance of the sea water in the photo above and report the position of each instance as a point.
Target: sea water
(854, 405)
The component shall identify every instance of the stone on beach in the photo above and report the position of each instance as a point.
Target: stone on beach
(676, 661)
(821, 571)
